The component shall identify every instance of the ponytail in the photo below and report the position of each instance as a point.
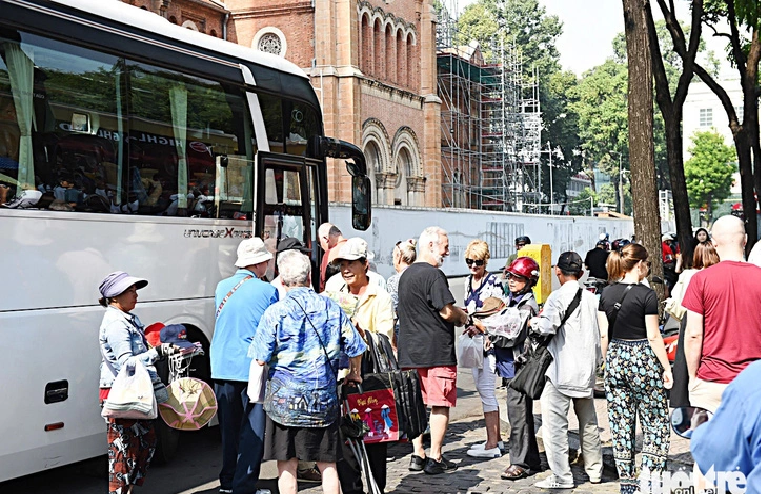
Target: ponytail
(619, 264)
(614, 267)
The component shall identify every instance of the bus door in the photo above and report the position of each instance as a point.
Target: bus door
(287, 203)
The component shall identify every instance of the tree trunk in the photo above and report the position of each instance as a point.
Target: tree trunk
(647, 221)
(678, 183)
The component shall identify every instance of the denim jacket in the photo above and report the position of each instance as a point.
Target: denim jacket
(121, 338)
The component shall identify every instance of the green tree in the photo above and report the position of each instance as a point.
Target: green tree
(580, 206)
(709, 171)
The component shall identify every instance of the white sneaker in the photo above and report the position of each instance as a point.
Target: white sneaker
(553, 482)
(500, 445)
(485, 453)
(263, 491)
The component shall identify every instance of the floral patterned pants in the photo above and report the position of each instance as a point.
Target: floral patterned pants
(131, 445)
(634, 385)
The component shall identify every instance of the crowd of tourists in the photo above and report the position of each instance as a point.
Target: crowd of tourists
(313, 343)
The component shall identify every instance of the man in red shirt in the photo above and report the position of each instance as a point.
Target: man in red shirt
(723, 333)
(330, 237)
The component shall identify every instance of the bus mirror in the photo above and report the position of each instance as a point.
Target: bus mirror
(361, 200)
(327, 147)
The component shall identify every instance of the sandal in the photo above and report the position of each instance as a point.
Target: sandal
(514, 472)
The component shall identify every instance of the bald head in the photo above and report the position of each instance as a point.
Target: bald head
(323, 234)
(729, 238)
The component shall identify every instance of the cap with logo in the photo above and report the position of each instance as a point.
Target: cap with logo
(176, 334)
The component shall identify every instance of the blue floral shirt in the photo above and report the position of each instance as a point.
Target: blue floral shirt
(491, 286)
(302, 385)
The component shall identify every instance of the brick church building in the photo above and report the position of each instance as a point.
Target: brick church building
(373, 64)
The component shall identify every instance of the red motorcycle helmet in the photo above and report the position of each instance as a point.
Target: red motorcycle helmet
(526, 267)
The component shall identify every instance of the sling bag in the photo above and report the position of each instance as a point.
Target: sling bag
(224, 300)
(530, 377)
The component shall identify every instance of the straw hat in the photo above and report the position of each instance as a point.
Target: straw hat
(191, 405)
(492, 305)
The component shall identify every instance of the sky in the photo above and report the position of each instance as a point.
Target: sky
(589, 27)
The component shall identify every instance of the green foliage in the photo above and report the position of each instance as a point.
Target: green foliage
(709, 171)
(580, 205)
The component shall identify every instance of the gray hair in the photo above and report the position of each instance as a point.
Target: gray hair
(294, 268)
(432, 234)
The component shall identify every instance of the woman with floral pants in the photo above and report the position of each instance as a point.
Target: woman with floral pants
(637, 371)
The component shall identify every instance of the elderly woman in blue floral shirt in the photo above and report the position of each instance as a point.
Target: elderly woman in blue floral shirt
(302, 338)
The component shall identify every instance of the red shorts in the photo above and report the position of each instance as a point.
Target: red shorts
(439, 386)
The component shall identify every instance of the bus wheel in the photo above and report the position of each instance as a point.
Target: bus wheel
(167, 438)
(200, 367)
(167, 441)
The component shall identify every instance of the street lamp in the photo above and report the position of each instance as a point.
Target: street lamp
(620, 182)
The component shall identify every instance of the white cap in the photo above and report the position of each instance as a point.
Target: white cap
(252, 251)
(353, 249)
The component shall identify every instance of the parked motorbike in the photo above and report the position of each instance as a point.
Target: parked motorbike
(684, 420)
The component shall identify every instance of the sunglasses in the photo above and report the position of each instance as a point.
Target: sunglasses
(647, 263)
(477, 262)
(516, 277)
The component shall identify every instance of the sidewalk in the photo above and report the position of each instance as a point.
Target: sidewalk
(478, 476)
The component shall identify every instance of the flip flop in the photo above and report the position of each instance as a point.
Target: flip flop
(514, 472)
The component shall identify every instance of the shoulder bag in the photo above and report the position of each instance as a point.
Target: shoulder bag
(614, 316)
(530, 377)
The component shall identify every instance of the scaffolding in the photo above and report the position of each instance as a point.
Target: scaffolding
(490, 122)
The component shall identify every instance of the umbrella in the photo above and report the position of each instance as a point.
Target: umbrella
(191, 405)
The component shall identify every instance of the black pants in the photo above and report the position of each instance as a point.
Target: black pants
(524, 451)
(679, 396)
(349, 472)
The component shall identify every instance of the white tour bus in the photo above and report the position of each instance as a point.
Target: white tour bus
(130, 144)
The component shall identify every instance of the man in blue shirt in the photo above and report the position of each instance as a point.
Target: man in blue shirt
(240, 300)
(731, 441)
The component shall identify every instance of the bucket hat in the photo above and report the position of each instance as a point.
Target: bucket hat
(252, 251)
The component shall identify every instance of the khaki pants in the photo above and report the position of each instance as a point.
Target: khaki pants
(555, 431)
(706, 394)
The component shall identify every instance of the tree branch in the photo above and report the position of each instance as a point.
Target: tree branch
(719, 91)
(717, 34)
(662, 90)
(737, 50)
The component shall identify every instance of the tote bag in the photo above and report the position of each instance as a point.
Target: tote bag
(132, 395)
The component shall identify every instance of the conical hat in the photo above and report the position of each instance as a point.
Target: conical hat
(191, 405)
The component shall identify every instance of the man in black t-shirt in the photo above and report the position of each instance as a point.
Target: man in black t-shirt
(427, 316)
(596, 260)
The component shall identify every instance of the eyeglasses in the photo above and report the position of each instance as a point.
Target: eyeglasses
(647, 263)
(477, 262)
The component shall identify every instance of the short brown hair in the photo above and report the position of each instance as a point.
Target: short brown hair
(704, 256)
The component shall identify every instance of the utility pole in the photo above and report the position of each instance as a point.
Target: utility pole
(549, 150)
(620, 186)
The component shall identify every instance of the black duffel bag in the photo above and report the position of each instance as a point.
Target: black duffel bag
(380, 372)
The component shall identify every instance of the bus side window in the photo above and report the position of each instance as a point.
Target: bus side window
(272, 111)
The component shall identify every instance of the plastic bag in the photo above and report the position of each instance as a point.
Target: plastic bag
(132, 395)
(506, 327)
(257, 381)
(470, 352)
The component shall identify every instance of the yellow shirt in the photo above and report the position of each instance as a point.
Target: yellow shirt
(374, 312)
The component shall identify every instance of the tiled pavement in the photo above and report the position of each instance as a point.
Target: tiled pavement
(479, 475)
